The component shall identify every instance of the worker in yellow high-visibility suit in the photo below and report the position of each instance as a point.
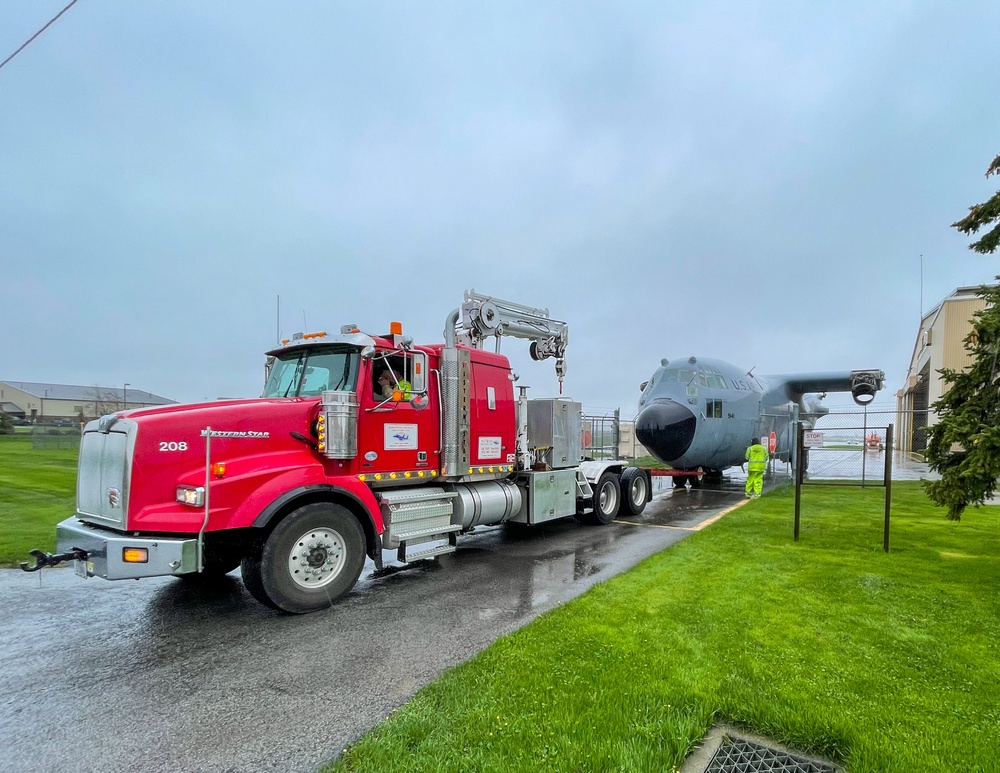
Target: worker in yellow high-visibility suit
(756, 464)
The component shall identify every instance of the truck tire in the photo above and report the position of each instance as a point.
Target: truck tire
(635, 490)
(607, 498)
(252, 581)
(311, 559)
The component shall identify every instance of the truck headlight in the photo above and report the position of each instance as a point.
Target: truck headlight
(191, 495)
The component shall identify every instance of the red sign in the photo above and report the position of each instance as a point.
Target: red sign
(772, 443)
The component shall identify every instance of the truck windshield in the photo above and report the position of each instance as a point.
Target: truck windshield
(308, 372)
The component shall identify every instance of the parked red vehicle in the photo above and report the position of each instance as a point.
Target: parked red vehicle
(329, 466)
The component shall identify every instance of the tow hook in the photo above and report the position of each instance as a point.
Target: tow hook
(43, 559)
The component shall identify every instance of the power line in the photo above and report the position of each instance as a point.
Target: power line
(48, 24)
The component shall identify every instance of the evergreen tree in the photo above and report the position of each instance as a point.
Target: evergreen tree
(965, 443)
(6, 424)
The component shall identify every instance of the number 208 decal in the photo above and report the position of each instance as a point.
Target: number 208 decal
(171, 445)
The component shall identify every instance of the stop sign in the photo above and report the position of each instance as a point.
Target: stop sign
(772, 443)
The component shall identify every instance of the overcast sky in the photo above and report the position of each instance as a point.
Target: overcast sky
(754, 182)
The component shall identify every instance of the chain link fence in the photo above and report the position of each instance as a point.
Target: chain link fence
(607, 436)
(851, 446)
(46, 437)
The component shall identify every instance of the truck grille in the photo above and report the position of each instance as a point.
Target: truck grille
(104, 472)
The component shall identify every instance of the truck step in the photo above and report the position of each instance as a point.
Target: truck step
(406, 556)
(423, 535)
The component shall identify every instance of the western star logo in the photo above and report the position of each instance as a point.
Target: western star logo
(235, 433)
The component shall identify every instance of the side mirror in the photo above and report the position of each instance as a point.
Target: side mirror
(368, 352)
(418, 380)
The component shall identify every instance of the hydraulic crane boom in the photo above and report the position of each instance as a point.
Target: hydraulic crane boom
(484, 316)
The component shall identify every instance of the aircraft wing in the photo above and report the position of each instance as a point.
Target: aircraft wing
(862, 384)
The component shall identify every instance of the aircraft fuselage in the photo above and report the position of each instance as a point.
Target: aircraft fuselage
(699, 413)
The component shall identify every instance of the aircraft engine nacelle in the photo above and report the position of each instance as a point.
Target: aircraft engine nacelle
(864, 385)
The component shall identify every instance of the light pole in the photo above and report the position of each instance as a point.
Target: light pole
(125, 396)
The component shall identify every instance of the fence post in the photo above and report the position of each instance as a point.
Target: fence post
(888, 487)
(799, 441)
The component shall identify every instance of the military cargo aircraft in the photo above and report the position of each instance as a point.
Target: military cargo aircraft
(698, 415)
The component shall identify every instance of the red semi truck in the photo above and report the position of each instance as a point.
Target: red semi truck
(298, 486)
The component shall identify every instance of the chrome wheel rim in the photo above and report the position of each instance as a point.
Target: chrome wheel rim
(637, 491)
(316, 558)
(608, 498)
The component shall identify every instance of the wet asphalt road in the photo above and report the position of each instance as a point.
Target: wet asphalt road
(162, 675)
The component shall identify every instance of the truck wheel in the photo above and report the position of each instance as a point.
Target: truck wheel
(607, 497)
(252, 580)
(635, 490)
(312, 558)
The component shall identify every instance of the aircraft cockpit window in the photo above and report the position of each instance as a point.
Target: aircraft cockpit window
(716, 381)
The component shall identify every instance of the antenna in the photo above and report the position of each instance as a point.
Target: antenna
(921, 285)
(277, 321)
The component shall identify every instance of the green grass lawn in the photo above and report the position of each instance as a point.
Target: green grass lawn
(885, 662)
(37, 490)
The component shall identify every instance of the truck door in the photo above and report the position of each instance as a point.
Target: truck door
(394, 437)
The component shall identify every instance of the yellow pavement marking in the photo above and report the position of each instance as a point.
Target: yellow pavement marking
(698, 527)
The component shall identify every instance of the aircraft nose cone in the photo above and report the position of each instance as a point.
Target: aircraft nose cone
(666, 429)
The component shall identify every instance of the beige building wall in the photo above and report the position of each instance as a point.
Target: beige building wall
(628, 446)
(90, 402)
(29, 403)
(940, 344)
(41, 407)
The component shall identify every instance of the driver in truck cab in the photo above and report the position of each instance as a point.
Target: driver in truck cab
(389, 382)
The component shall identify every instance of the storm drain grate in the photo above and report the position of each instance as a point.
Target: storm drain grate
(738, 755)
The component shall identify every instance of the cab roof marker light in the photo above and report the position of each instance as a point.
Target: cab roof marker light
(396, 328)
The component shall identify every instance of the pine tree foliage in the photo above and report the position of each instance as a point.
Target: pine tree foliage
(981, 215)
(964, 445)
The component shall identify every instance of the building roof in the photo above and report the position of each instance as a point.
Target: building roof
(11, 409)
(87, 394)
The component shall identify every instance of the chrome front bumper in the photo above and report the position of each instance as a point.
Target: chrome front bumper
(167, 556)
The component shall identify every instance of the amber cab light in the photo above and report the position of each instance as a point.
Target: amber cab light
(396, 328)
(135, 555)
(219, 469)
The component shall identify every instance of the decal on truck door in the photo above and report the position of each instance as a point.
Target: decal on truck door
(489, 448)
(400, 437)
